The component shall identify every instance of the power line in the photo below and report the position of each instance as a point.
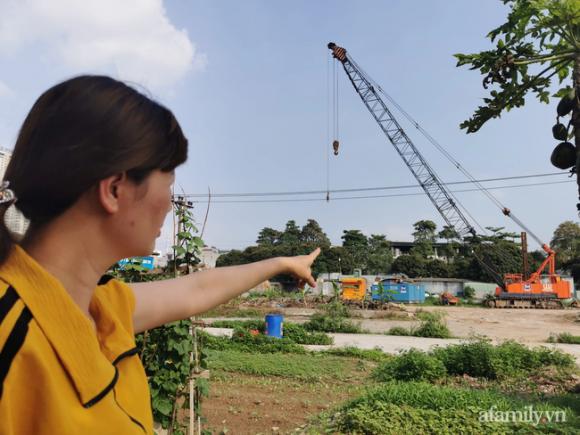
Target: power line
(366, 189)
(378, 196)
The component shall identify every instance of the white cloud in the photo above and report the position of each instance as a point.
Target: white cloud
(133, 39)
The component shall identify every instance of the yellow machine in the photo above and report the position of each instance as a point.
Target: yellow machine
(353, 290)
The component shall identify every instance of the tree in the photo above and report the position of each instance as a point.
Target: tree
(449, 234)
(380, 256)
(539, 40)
(268, 237)
(437, 269)
(356, 243)
(566, 241)
(337, 259)
(411, 265)
(424, 236)
(291, 234)
(313, 235)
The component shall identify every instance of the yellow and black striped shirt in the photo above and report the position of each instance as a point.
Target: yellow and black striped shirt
(57, 374)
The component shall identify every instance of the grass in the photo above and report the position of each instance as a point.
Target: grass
(432, 326)
(477, 359)
(293, 332)
(564, 337)
(306, 367)
(417, 407)
(376, 354)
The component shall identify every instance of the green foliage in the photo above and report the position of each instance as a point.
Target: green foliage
(413, 266)
(165, 355)
(432, 326)
(333, 318)
(478, 359)
(566, 242)
(468, 292)
(243, 341)
(380, 256)
(416, 407)
(481, 359)
(541, 33)
(311, 367)
(411, 365)
(398, 330)
(564, 337)
(326, 323)
(292, 331)
(376, 354)
(357, 245)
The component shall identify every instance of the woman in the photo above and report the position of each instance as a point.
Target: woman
(92, 171)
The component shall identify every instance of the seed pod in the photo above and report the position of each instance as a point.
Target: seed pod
(560, 132)
(565, 105)
(564, 156)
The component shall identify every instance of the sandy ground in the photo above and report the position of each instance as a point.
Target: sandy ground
(524, 325)
(532, 327)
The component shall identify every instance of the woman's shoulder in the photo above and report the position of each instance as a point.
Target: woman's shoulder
(117, 297)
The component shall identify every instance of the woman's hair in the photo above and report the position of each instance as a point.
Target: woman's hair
(79, 132)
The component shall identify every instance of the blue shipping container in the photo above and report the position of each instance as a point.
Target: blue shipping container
(398, 292)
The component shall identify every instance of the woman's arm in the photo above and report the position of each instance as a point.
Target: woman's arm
(160, 302)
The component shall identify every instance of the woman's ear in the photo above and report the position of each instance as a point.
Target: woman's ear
(109, 190)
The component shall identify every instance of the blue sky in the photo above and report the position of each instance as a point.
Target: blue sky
(248, 82)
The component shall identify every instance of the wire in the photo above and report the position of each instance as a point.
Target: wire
(379, 196)
(366, 189)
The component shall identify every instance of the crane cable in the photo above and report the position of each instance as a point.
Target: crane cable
(453, 161)
(329, 59)
(377, 86)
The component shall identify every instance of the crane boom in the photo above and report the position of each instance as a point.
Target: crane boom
(512, 287)
(425, 175)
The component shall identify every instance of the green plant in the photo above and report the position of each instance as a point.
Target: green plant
(564, 337)
(306, 366)
(481, 359)
(411, 365)
(417, 407)
(375, 354)
(292, 331)
(432, 328)
(333, 317)
(398, 330)
(468, 292)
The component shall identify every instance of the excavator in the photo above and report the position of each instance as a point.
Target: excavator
(514, 290)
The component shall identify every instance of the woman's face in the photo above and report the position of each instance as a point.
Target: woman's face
(148, 211)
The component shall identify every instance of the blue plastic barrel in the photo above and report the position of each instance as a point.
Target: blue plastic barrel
(274, 325)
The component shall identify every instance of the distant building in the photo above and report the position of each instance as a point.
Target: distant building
(404, 248)
(15, 221)
(209, 256)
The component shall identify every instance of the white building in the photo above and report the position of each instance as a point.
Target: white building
(13, 218)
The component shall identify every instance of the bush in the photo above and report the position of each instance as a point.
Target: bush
(432, 328)
(417, 407)
(564, 337)
(398, 330)
(375, 354)
(292, 331)
(325, 323)
(244, 341)
(411, 365)
(468, 292)
(481, 359)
